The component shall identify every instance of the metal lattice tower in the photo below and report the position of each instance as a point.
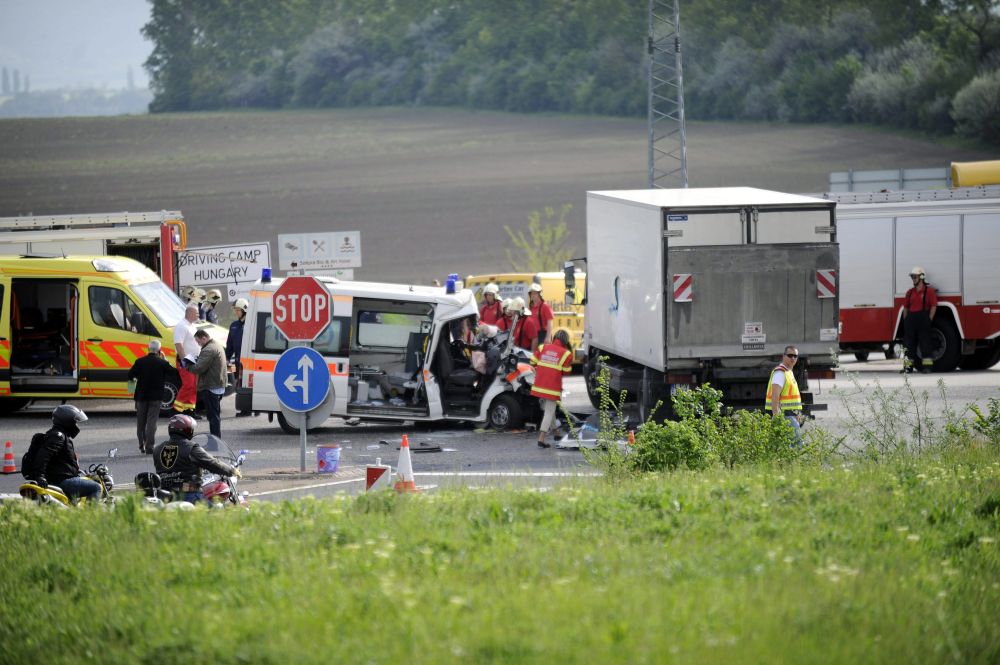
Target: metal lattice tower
(667, 140)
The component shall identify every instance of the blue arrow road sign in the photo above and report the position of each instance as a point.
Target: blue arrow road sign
(301, 379)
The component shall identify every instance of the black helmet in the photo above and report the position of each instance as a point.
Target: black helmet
(181, 424)
(67, 415)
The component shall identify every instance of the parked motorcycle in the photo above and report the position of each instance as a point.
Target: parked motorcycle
(53, 494)
(215, 489)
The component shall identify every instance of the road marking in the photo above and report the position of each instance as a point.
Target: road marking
(442, 474)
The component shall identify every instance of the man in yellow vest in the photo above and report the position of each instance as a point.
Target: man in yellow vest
(783, 396)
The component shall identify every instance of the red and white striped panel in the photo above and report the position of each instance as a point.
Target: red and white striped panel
(826, 283)
(682, 287)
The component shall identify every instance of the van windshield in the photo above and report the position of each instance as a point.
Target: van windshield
(164, 303)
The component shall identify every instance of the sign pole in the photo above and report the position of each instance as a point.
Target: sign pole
(303, 427)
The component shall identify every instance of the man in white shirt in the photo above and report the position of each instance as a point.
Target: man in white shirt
(186, 346)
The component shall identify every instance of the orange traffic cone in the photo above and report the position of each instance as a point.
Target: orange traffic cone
(8, 459)
(405, 469)
(631, 438)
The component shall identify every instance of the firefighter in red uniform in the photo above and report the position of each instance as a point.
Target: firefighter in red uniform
(506, 321)
(492, 311)
(525, 326)
(541, 311)
(919, 307)
(551, 361)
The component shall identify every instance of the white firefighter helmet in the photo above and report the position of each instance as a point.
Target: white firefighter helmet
(917, 272)
(507, 303)
(491, 288)
(214, 296)
(241, 303)
(519, 307)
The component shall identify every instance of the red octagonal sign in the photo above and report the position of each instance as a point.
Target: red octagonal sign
(301, 308)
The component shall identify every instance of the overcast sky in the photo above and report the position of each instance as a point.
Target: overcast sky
(75, 43)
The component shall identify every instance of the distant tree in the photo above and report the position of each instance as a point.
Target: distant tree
(17, 82)
(5, 86)
(547, 248)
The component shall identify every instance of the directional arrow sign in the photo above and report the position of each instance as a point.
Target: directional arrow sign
(301, 379)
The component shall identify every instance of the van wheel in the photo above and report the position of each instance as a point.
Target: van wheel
(286, 426)
(9, 405)
(505, 413)
(170, 391)
(945, 345)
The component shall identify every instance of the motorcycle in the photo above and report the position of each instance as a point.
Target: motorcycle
(217, 490)
(53, 494)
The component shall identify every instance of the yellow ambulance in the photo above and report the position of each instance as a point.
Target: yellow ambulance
(567, 316)
(71, 327)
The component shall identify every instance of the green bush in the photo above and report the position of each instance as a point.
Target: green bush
(669, 446)
(976, 109)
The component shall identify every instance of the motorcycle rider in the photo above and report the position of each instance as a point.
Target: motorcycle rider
(179, 461)
(51, 457)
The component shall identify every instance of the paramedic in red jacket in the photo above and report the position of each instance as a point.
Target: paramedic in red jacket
(551, 361)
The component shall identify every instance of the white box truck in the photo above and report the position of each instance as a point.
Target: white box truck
(693, 286)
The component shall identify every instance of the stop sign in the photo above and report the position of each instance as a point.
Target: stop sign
(301, 308)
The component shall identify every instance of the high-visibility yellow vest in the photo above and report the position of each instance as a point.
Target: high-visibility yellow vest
(789, 399)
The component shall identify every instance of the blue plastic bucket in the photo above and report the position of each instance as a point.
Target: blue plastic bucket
(327, 457)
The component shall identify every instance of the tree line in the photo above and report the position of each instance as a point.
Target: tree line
(932, 65)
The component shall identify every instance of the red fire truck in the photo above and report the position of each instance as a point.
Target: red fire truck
(954, 235)
(151, 238)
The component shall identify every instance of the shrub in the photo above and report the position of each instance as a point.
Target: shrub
(669, 446)
(976, 108)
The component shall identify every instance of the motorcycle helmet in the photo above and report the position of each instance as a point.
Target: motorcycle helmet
(242, 303)
(182, 425)
(66, 417)
(214, 296)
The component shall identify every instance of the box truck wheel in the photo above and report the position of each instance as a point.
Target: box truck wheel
(505, 413)
(170, 391)
(946, 347)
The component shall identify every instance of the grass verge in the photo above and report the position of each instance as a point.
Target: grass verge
(892, 562)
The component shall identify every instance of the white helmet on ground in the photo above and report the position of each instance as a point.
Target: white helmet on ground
(241, 303)
(214, 296)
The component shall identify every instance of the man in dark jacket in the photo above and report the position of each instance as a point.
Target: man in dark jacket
(151, 372)
(51, 457)
(179, 461)
(234, 343)
(210, 369)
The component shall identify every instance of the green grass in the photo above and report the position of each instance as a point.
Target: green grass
(895, 562)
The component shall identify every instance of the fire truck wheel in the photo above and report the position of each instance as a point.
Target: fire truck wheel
(983, 358)
(505, 413)
(891, 351)
(861, 356)
(946, 345)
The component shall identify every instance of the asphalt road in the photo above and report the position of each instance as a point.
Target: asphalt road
(469, 456)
